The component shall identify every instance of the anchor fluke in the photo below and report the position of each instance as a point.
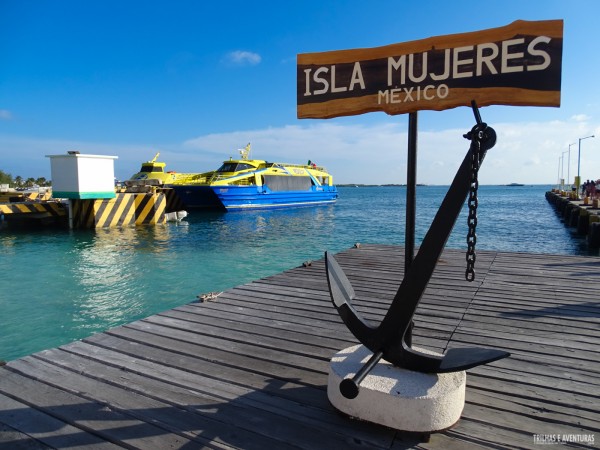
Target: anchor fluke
(339, 285)
(457, 359)
(342, 294)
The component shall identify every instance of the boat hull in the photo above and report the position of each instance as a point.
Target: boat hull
(197, 197)
(237, 198)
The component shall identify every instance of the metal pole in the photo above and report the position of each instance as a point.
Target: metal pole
(411, 190)
(558, 177)
(578, 182)
(569, 171)
(411, 196)
(579, 153)
(70, 213)
(562, 173)
(569, 167)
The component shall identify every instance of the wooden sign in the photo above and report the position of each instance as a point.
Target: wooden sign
(519, 64)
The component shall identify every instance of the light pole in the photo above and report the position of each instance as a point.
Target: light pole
(558, 176)
(578, 182)
(569, 164)
(562, 172)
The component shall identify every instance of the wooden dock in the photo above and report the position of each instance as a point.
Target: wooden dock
(249, 369)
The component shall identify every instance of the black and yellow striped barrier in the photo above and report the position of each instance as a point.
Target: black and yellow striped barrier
(174, 203)
(54, 209)
(124, 209)
(13, 197)
(127, 208)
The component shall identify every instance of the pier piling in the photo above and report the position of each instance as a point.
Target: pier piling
(580, 214)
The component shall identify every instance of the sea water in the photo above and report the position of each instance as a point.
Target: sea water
(62, 285)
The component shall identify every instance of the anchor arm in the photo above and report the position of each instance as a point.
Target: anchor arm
(342, 293)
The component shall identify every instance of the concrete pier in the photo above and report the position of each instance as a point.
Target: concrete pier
(583, 215)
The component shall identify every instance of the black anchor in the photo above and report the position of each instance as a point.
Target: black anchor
(389, 339)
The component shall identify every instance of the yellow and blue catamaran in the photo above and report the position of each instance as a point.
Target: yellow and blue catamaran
(245, 183)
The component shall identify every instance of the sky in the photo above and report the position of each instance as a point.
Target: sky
(196, 81)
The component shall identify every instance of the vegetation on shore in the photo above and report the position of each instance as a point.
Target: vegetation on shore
(20, 182)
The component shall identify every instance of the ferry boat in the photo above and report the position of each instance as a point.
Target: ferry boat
(241, 184)
(153, 172)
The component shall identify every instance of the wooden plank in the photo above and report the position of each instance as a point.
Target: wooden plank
(175, 421)
(192, 389)
(37, 430)
(15, 440)
(563, 413)
(200, 417)
(97, 418)
(142, 359)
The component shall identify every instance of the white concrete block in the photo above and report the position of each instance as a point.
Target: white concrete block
(396, 397)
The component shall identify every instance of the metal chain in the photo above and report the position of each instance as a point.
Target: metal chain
(472, 204)
(482, 139)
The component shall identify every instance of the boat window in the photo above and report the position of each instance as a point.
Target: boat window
(287, 183)
(227, 167)
(234, 167)
(147, 169)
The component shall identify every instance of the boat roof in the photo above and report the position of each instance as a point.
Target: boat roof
(259, 162)
(153, 162)
(245, 155)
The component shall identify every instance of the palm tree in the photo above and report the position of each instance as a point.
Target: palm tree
(5, 178)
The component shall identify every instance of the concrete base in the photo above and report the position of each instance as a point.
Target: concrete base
(396, 397)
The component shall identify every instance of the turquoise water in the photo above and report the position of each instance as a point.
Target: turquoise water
(62, 285)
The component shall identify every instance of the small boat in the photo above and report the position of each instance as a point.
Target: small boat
(241, 184)
(153, 172)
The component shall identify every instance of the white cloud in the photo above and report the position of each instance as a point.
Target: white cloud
(580, 118)
(533, 161)
(5, 114)
(243, 58)
(527, 153)
(524, 152)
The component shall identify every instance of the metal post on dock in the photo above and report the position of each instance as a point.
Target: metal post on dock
(578, 183)
(411, 196)
(70, 214)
